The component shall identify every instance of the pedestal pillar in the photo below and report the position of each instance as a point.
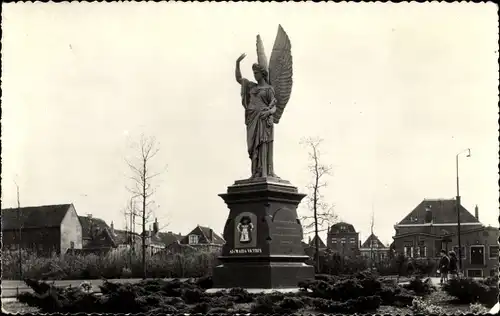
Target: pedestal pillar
(263, 236)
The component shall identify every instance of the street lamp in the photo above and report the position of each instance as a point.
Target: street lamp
(457, 206)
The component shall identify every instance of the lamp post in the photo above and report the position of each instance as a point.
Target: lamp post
(457, 206)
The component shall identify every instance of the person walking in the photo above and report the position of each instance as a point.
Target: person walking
(453, 264)
(444, 264)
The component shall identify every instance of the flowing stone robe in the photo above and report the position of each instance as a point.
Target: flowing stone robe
(260, 130)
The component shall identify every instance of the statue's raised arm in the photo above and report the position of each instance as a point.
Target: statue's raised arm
(281, 72)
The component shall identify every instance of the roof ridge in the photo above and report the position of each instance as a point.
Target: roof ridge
(36, 206)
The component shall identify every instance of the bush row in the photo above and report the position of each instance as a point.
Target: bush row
(361, 293)
(110, 266)
(361, 286)
(333, 263)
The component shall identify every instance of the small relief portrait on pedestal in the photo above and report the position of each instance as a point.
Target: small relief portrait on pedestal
(245, 228)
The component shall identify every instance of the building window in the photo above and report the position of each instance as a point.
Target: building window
(334, 240)
(474, 273)
(342, 240)
(408, 251)
(493, 252)
(477, 254)
(193, 239)
(352, 240)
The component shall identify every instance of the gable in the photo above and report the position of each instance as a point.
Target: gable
(443, 212)
(46, 216)
(102, 239)
(91, 223)
(321, 244)
(203, 234)
(376, 242)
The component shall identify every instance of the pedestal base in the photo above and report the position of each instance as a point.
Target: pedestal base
(263, 236)
(270, 275)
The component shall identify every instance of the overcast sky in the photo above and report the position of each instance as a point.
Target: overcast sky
(395, 91)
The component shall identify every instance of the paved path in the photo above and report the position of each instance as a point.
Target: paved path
(10, 288)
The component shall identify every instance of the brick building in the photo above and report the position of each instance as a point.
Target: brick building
(432, 226)
(374, 249)
(42, 229)
(343, 238)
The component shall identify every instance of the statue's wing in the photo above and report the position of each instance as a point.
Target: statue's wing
(261, 55)
(280, 72)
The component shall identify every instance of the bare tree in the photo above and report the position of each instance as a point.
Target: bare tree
(143, 189)
(322, 211)
(372, 223)
(20, 229)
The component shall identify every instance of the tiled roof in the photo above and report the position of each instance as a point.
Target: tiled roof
(122, 236)
(94, 222)
(205, 233)
(313, 242)
(342, 227)
(376, 241)
(169, 237)
(216, 239)
(443, 211)
(34, 216)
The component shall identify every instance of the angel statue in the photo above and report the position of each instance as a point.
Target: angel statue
(265, 100)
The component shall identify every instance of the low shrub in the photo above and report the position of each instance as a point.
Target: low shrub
(205, 282)
(241, 295)
(419, 306)
(199, 308)
(356, 305)
(419, 287)
(476, 308)
(467, 290)
(265, 305)
(291, 304)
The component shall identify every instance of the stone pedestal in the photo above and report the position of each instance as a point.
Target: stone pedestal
(263, 237)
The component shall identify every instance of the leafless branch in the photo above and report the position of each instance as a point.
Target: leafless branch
(143, 188)
(322, 212)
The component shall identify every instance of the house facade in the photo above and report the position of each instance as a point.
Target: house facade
(43, 229)
(203, 238)
(374, 249)
(343, 238)
(99, 237)
(432, 226)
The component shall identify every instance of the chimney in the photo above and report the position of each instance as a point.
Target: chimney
(211, 236)
(476, 212)
(112, 228)
(310, 240)
(428, 214)
(156, 227)
(360, 244)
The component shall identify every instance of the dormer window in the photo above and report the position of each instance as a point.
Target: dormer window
(193, 239)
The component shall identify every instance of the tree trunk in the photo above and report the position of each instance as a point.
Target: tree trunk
(315, 207)
(144, 270)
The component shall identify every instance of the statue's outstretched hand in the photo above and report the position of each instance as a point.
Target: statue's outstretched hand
(242, 56)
